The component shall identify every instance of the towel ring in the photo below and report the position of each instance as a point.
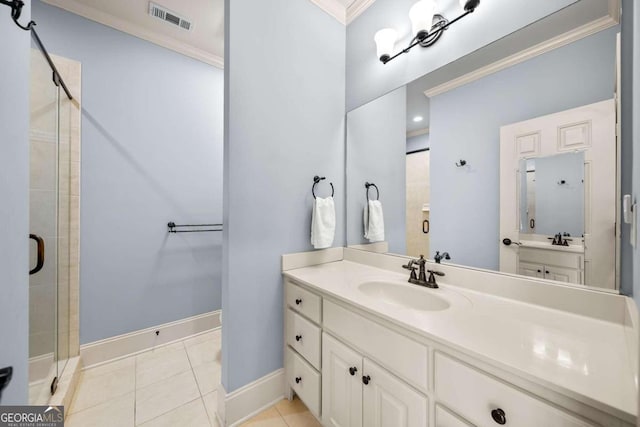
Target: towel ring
(369, 185)
(316, 180)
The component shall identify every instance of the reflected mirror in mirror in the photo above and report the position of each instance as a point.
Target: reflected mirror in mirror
(524, 155)
(552, 195)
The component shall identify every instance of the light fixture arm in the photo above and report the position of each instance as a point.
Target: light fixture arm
(440, 25)
(16, 10)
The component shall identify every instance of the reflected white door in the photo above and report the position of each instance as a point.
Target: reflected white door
(592, 130)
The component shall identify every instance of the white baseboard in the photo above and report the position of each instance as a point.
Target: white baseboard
(242, 404)
(120, 346)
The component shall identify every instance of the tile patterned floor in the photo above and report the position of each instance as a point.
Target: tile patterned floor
(173, 385)
(284, 414)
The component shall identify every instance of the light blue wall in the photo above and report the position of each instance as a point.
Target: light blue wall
(465, 201)
(419, 142)
(14, 209)
(368, 78)
(560, 207)
(376, 138)
(284, 123)
(152, 130)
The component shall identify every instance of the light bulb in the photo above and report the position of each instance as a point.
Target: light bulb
(421, 16)
(385, 41)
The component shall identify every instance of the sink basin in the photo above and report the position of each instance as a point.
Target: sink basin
(407, 296)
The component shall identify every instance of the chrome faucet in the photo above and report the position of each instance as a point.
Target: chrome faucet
(421, 277)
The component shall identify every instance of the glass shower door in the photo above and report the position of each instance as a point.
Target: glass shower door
(47, 230)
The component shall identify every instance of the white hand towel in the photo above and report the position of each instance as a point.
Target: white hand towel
(374, 221)
(323, 223)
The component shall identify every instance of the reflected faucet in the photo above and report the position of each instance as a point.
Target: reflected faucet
(438, 257)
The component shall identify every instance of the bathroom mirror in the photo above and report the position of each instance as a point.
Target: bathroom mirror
(509, 168)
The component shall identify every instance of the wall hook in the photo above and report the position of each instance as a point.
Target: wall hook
(461, 164)
(562, 182)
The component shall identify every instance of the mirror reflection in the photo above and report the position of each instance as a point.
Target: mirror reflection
(512, 171)
(558, 182)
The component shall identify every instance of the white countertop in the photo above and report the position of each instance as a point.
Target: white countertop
(579, 249)
(578, 356)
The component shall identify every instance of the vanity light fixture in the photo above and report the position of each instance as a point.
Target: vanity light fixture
(418, 119)
(426, 24)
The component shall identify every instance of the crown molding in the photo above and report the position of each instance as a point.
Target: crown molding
(109, 20)
(417, 132)
(356, 8)
(333, 8)
(524, 55)
(343, 15)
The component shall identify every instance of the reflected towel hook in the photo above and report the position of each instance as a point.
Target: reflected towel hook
(371, 184)
(461, 164)
(316, 180)
(562, 182)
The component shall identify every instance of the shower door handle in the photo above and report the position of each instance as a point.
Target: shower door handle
(426, 226)
(40, 262)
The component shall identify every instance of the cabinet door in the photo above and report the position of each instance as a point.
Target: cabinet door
(562, 274)
(341, 384)
(531, 270)
(389, 402)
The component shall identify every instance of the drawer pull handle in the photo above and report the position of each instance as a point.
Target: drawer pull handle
(298, 301)
(298, 380)
(499, 416)
(353, 371)
(298, 338)
(366, 379)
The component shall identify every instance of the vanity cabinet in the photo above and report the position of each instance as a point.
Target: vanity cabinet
(353, 368)
(303, 336)
(357, 392)
(556, 264)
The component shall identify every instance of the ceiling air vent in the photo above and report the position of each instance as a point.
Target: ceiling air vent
(166, 15)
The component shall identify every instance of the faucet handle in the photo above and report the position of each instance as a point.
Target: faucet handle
(409, 265)
(437, 273)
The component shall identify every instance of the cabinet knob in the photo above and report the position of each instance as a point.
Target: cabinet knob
(539, 271)
(298, 301)
(298, 380)
(298, 338)
(499, 416)
(366, 379)
(546, 272)
(353, 371)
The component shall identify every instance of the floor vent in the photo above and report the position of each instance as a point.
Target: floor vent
(168, 16)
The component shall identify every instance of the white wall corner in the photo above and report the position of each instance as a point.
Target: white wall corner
(240, 405)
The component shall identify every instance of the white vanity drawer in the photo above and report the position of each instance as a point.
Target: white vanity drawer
(303, 301)
(304, 337)
(304, 380)
(550, 257)
(475, 395)
(444, 418)
(402, 356)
